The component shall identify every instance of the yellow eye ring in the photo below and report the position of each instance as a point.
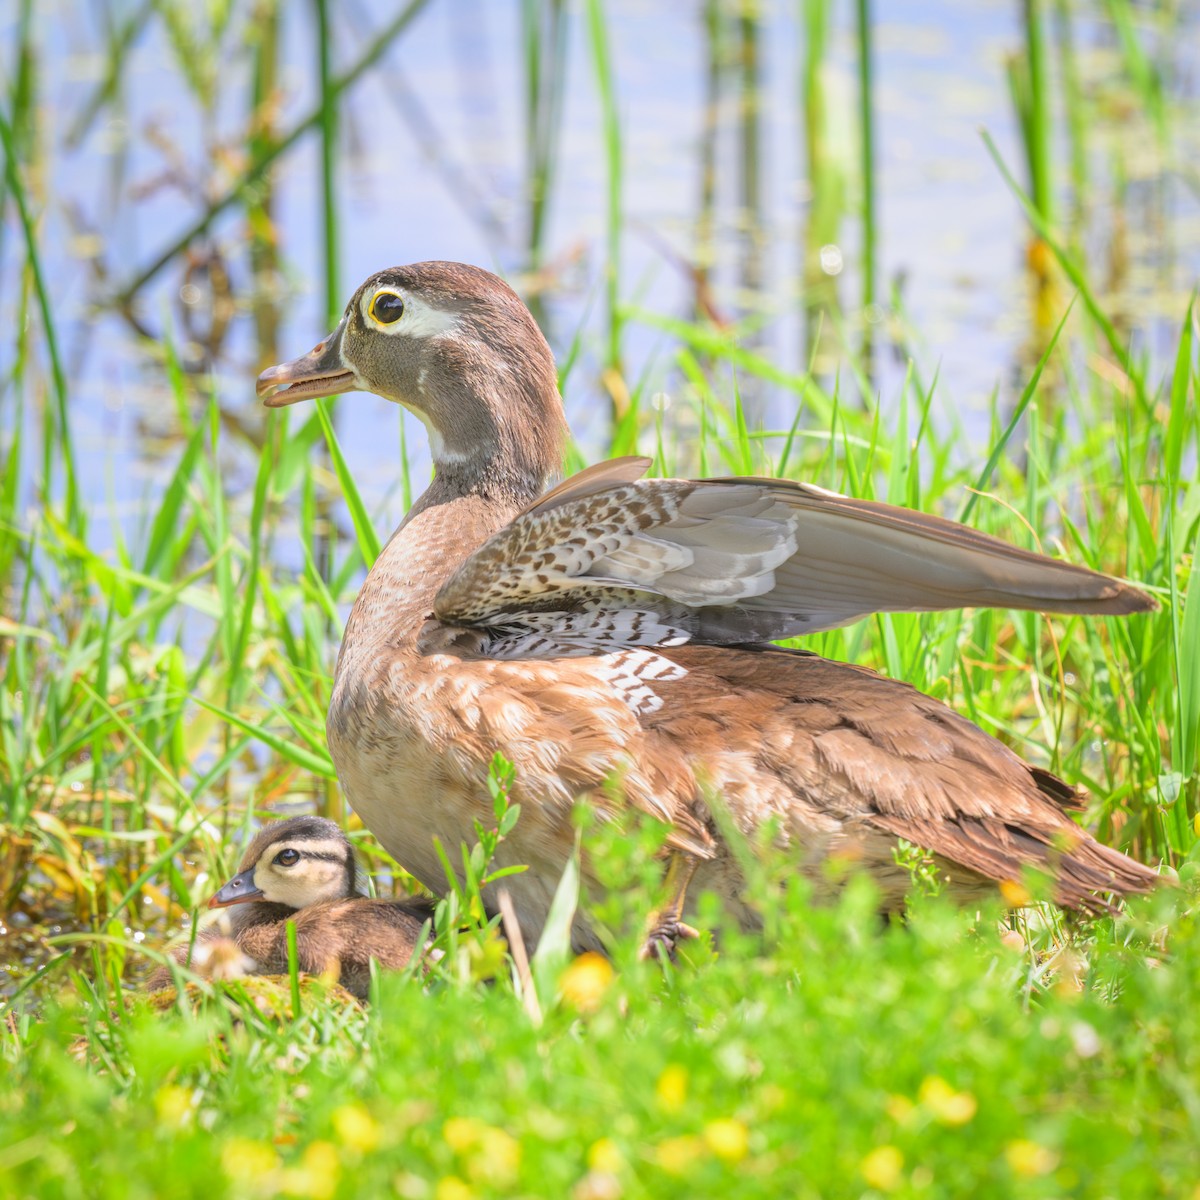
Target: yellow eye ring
(386, 308)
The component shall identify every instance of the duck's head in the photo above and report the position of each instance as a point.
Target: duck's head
(297, 862)
(456, 346)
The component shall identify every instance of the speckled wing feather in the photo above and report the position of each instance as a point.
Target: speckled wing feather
(725, 561)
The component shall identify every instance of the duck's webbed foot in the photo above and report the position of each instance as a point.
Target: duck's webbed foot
(667, 927)
(664, 937)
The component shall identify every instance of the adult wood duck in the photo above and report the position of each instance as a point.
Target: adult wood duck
(617, 628)
(303, 870)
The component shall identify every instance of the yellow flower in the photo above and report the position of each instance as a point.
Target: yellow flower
(173, 1105)
(882, 1168)
(728, 1139)
(672, 1088)
(1028, 1159)
(583, 984)
(356, 1128)
(944, 1103)
(490, 1155)
(1014, 894)
(316, 1176)
(900, 1109)
(604, 1155)
(452, 1188)
(249, 1164)
(462, 1133)
(497, 1160)
(676, 1155)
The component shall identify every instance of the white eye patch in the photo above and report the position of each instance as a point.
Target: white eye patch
(419, 320)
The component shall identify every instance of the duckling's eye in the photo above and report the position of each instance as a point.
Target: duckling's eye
(387, 308)
(287, 858)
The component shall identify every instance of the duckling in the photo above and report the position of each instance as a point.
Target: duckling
(303, 870)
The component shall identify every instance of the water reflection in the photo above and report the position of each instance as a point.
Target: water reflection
(477, 132)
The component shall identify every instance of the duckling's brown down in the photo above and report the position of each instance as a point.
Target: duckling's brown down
(338, 931)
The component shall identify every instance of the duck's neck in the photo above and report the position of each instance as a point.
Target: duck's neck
(502, 475)
(490, 402)
(497, 441)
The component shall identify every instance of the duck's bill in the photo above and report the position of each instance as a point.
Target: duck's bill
(320, 372)
(240, 889)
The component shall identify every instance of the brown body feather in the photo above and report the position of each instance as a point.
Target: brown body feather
(598, 632)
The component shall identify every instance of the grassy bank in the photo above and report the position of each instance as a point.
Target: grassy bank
(842, 1060)
(164, 673)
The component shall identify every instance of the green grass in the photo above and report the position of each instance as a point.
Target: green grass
(842, 1060)
(157, 693)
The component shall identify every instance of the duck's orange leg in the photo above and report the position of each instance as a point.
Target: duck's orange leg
(667, 928)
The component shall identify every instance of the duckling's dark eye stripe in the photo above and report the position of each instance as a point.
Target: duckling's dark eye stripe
(314, 848)
(325, 848)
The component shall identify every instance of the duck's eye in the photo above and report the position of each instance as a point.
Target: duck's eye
(387, 308)
(287, 858)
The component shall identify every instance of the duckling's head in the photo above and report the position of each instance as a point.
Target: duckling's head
(295, 863)
(456, 346)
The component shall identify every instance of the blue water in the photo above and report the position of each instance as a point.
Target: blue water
(948, 227)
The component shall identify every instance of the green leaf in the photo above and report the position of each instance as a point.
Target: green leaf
(364, 531)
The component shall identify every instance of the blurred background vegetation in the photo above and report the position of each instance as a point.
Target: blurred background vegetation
(938, 253)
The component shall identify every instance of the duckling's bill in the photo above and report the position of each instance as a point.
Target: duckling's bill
(240, 889)
(320, 372)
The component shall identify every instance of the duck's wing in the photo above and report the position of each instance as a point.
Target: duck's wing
(743, 559)
(599, 477)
